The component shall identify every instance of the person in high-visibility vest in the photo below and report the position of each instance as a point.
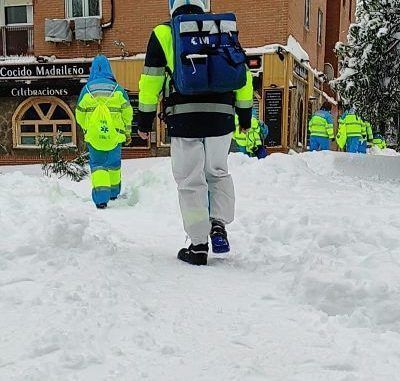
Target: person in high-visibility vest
(200, 127)
(350, 131)
(367, 137)
(321, 128)
(251, 142)
(105, 115)
(379, 142)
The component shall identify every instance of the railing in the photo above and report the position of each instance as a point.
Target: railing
(16, 40)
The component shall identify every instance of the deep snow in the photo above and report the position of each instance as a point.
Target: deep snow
(310, 292)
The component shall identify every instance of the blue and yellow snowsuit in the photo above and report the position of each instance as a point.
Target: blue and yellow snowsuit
(104, 154)
(350, 131)
(321, 130)
(251, 142)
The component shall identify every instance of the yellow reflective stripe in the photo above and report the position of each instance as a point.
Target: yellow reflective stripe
(100, 178)
(147, 108)
(164, 36)
(320, 134)
(244, 104)
(353, 134)
(154, 71)
(187, 108)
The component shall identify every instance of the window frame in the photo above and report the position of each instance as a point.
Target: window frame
(320, 24)
(208, 5)
(85, 6)
(29, 15)
(18, 122)
(307, 14)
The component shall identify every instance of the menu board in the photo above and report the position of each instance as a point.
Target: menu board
(273, 108)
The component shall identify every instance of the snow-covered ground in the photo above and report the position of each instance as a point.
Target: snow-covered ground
(310, 292)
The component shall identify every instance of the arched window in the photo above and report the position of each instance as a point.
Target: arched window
(42, 116)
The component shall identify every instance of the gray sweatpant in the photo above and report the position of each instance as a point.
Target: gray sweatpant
(205, 188)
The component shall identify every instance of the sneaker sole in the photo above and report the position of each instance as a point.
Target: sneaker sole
(221, 250)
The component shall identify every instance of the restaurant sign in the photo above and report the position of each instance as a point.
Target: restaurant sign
(300, 70)
(47, 70)
(35, 88)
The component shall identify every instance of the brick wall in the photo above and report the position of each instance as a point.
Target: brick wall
(134, 20)
(332, 32)
(341, 13)
(261, 22)
(347, 16)
(308, 36)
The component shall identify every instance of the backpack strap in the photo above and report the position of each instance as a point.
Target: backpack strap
(164, 102)
(109, 96)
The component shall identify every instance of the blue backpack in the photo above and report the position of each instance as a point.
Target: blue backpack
(207, 55)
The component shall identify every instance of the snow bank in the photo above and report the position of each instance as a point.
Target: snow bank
(383, 152)
(309, 292)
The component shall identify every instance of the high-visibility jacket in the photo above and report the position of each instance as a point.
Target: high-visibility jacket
(189, 116)
(351, 124)
(321, 124)
(366, 131)
(102, 89)
(250, 140)
(379, 142)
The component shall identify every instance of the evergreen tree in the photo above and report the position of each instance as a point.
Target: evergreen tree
(57, 159)
(370, 63)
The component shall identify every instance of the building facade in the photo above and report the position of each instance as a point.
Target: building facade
(340, 14)
(47, 46)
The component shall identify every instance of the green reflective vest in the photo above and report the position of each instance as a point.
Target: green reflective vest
(380, 143)
(120, 122)
(351, 125)
(250, 140)
(367, 131)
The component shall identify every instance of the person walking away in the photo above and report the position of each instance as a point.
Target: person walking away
(367, 137)
(350, 127)
(379, 142)
(203, 85)
(105, 115)
(321, 128)
(252, 142)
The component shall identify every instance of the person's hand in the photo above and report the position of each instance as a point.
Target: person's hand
(144, 135)
(128, 140)
(244, 130)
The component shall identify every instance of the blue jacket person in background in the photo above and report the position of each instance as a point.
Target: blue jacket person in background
(321, 128)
